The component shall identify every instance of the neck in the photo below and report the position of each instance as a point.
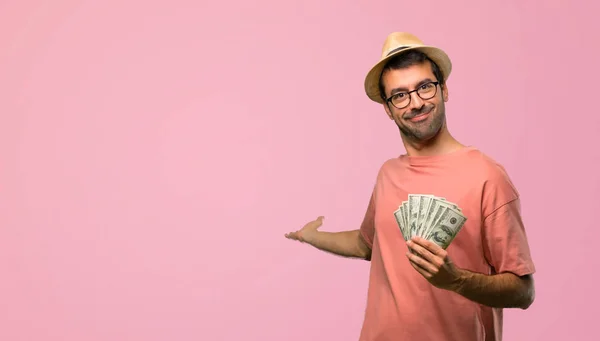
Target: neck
(441, 143)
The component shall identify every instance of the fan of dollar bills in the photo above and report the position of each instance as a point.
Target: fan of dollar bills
(429, 217)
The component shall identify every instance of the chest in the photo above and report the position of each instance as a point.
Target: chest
(455, 187)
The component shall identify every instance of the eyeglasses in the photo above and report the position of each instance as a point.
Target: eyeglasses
(402, 99)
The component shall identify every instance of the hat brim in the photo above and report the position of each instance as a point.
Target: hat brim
(373, 76)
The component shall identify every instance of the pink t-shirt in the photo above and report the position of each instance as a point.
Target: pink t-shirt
(401, 304)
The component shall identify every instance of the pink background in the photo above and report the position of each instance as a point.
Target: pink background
(154, 154)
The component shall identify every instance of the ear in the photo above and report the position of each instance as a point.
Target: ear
(386, 105)
(387, 111)
(445, 92)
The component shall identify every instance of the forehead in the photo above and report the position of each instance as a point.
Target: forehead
(407, 78)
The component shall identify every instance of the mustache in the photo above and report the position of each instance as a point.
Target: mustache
(416, 112)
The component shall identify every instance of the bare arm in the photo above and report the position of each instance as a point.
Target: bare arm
(346, 243)
(504, 290)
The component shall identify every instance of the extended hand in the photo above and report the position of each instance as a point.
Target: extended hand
(306, 231)
(431, 261)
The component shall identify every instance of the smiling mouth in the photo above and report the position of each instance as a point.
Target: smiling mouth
(420, 117)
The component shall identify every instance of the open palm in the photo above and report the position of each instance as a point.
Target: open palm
(305, 232)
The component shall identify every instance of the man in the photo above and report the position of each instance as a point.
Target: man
(432, 293)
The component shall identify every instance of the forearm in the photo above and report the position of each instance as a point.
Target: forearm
(504, 290)
(346, 243)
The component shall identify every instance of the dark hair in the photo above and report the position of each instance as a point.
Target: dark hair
(404, 60)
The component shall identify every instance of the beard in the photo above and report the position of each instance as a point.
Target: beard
(423, 131)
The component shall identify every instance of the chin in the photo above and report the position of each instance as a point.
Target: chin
(426, 134)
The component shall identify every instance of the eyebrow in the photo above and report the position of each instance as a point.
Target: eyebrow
(397, 90)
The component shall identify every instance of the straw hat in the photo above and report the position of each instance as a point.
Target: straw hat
(400, 42)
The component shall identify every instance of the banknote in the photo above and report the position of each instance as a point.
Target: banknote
(445, 229)
(430, 217)
(413, 214)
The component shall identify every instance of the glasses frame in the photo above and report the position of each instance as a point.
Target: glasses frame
(389, 99)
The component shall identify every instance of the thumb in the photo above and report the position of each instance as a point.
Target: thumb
(319, 221)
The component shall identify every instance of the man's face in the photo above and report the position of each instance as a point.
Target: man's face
(421, 119)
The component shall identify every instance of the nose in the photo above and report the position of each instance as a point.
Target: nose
(416, 102)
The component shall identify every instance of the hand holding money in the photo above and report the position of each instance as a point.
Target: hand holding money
(429, 224)
(430, 217)
(433, 262)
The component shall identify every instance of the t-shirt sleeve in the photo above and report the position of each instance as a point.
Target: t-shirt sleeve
(504, 238)
(367, 227)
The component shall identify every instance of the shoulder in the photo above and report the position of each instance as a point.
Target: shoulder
(497, 188)
(390, 168)
(390, 164)
(389, 172)
(488, 168)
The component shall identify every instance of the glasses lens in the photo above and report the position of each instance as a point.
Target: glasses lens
(427, 91)
(400, 100)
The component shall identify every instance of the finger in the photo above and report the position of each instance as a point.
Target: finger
(418, 267)
(430, 246)
(421, 251)
(292, 235)
(319, 221)
(314, 224)
(422, 263)
(433, 259)
(427, 244)
(297, 235)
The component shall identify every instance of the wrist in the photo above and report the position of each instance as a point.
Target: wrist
(461, 281)
(307, 236)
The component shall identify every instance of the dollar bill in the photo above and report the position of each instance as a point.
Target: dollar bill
(440, 206)
(398, 216)
(446, 227)
(405, 213)
(414, 201)
(403, 219)
(430, 217)
(436, 207)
